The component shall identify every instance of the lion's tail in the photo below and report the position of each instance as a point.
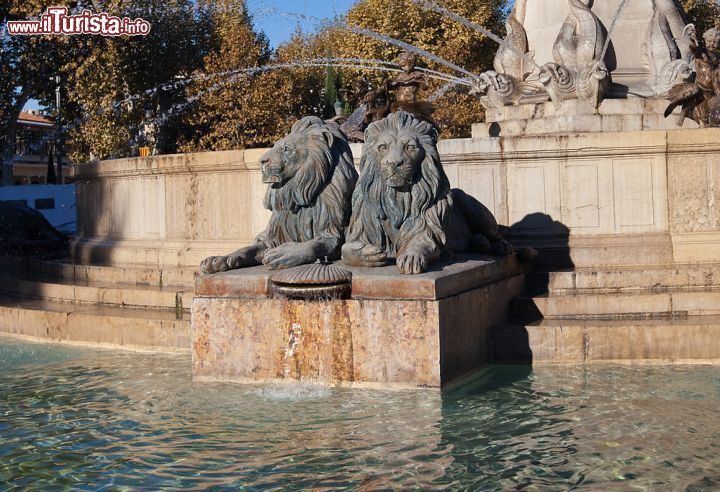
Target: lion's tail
(477, 216)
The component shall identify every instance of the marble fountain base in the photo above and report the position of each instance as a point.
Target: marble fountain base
(395, 331)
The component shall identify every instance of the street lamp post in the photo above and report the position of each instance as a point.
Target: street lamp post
(58, 125)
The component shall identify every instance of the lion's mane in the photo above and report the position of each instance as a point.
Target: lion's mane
(388, 218)
(315, 202)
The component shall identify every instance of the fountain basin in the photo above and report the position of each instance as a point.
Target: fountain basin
(512, 427)
(396, 331)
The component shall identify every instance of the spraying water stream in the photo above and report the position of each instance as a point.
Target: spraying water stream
(430, 5)
(616, 17)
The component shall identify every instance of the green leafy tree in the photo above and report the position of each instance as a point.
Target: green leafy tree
(331, 91)
(14, 94)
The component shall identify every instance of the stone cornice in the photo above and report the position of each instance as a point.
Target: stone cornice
(195, 163)
(454, 151)
(581, 145)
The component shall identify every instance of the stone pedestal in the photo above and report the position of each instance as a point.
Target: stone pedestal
(396, 331)
(578, 116)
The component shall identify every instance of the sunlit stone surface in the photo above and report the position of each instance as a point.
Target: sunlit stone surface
(396, 330)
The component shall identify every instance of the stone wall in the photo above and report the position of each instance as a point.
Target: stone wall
(585, 199)
(168, 210)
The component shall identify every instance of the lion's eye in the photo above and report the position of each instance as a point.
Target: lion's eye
(382, 147)
(410, 146)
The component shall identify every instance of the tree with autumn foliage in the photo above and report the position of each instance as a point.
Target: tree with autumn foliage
(278, 98)
(219, 118)
(256, 109)
(703, 13)
(406, 21)
(100, 83)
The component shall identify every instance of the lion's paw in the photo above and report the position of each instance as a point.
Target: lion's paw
(480, 244)
(214, 264)
(412, 263)
(360, 254)
(502, 248)
(286, 255)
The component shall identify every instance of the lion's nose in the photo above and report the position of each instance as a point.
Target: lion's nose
(267, 164)
(393, 158)
(390, 167)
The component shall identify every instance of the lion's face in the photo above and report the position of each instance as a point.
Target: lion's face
(280, 164)
(401, 156)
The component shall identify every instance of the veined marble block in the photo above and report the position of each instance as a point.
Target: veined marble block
(397, 331)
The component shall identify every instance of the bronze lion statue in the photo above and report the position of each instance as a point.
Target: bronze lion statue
(310, 176)
(403, 206)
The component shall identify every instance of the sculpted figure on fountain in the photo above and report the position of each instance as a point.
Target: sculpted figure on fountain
(310, 177)
(398, 94)
(531, 66)
(666, 55)
(406, 87)
(403, 206)
(577, 69)
(700, 99)
(513, 64)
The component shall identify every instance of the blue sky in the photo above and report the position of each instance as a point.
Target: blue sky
(279, 27)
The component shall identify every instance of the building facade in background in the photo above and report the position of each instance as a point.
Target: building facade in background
(35, 141)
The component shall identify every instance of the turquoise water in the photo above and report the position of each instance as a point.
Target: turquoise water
(106, 420)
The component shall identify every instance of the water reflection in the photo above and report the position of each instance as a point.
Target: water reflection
(90, 419)
(508, 434)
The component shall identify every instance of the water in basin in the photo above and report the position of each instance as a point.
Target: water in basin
(100, 419)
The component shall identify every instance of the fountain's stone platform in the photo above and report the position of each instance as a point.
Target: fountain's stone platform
(578, 116)
(396, 331)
